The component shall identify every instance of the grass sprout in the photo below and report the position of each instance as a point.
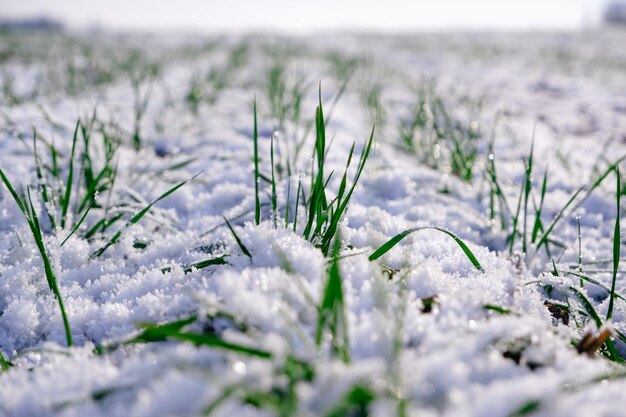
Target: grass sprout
(323, 213)
(323, 217)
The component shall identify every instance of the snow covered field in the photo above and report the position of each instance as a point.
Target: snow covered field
(507, 142)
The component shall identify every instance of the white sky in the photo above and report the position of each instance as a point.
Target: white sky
(306, 15)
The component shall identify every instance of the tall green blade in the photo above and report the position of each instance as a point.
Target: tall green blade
(50, 277)
(65, 201)
(257, 201)
(616, 244)
(42, 182)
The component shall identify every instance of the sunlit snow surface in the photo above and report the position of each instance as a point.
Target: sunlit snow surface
(570, 89)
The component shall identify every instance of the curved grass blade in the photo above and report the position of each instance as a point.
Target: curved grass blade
(33, 222)
(21, 204)
(243, 247)
(139, 215)
(612, 351)
(216, 342)
(160, 333)
(597, 283)
(26, 206)
(80, 222)
(386, 247)
(589, 188)
(174, 331)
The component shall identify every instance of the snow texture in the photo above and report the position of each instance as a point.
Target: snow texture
(420, 337)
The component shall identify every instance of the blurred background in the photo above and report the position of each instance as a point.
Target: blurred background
(321, 15)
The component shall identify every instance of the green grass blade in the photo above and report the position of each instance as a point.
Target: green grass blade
(49, 272)
(538, 226)
(295, 214)
(18, 200)
(355, 402)
(160, 333)
(4, 364)
(216, 342)
(544, 237)
(597, 283)
(616, 244)
(497, 309)
(492, 175)
(386, 247)
(515, 220)
(274, 198)
(220, 260)
(103, 224)
(317, 201)
(219, 400)
(529, 407)
(140, 214)
(590, 188)
(527, 189)
(332, 310)
(80, 222)
(288, 202)
(239, 242)
(342, 204)
(580, 247)
(65, 201)
(174, 331)
(613, 355)
(257, 201)
(42, 183)
(54, 157)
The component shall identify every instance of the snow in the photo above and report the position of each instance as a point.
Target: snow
(455, 359)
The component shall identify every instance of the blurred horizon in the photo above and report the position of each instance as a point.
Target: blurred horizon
(322, 15)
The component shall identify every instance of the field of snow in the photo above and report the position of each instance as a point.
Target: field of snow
(502, 149)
